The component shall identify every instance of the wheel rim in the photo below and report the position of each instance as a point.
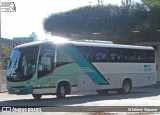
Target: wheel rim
(126, 87)
(62, 90)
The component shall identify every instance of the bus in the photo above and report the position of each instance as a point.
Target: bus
(60, 68)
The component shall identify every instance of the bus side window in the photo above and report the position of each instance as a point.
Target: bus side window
(115, 55)
(140, 55)
(86, 51)
(46, 63)
(128, 55)
(101, 54)
(150, 57)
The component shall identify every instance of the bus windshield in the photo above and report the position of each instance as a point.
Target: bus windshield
(22, 64)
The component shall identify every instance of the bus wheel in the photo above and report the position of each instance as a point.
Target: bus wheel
(126, 88)
(61, 91)
(102, 91)
(37, 96)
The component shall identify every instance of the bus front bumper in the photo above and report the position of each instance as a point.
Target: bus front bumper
(20, 91)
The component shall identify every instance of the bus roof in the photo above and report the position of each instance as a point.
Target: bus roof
(31, 44)
(113, 45)
(86, 43)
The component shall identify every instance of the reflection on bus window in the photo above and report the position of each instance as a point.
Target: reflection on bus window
(46, 60)
(22, 62)
(128, 55)
(100, 55)
(115, 55)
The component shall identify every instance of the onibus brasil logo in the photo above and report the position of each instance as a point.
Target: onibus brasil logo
(8, 7)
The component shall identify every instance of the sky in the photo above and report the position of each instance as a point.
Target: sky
(29, 15)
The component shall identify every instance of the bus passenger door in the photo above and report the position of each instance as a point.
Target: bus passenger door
(46, 67)
(44, 70)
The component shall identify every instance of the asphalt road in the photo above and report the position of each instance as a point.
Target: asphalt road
(146, 96)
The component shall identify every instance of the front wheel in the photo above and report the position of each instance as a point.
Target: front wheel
(61, 91)
(37, 96)
(126, 88)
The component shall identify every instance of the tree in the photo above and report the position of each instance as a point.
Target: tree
(151, 3)
(100, 2)
(154, 13)
(108, 20)
(126, 2)
(5, 54)
(91, 19)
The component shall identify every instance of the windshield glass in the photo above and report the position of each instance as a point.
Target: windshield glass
(22, 63)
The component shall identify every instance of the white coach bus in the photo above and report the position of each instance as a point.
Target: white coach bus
(46, 68)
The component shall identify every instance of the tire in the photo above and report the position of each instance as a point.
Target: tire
(37, 96)
(102, 91)
(61, 91)
(126, 88)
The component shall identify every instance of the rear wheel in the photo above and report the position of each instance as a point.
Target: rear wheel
(37, 96)
(126, 88)
(102, 91)
(61, 91)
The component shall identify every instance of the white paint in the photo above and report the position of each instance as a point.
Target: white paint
(44, 90)
(157, 55)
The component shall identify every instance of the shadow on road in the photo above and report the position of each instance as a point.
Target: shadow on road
(70, 100)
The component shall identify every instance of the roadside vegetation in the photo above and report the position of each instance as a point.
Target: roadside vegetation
(106, 19)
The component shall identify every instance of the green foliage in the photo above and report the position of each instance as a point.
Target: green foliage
(126, 2)
(151, 3)
(154, 18)
(104, 19)
(100, 2)
(4, 63)
(5, 54)
(154, 14)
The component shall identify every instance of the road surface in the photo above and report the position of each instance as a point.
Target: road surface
(89, 101)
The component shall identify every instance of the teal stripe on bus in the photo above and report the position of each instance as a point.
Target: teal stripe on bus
(91, 71)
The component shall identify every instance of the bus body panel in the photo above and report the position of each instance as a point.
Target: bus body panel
(73, 67)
